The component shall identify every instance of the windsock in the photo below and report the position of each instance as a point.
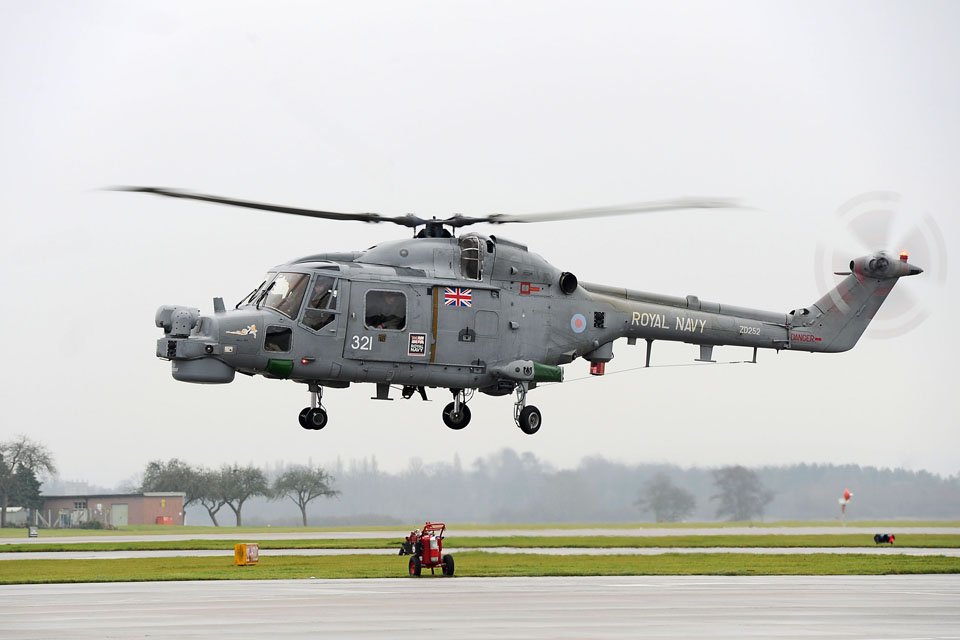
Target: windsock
(844, 500)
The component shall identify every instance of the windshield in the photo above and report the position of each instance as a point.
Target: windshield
(285, 293)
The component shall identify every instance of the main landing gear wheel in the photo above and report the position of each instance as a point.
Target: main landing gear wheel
(529, 420)
(456, 415)
(456, 419)
(527, 417)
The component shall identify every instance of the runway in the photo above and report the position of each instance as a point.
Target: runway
(555, 551)
(225, 533)
(857, 607)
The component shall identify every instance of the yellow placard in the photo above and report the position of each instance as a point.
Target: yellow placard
(246, 553)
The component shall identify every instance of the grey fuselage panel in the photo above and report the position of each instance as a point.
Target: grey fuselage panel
(446, 312)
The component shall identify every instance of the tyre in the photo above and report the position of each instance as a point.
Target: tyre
(456, 421)
(303, 418)
(448, 565)
(414, 566)
(530, 420)
(316, 419)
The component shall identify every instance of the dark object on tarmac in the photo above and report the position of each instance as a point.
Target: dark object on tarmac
(884, 538)
(425, 548)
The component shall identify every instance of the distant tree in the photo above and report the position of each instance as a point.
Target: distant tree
(26, 489)
(302, 485)
(238, 484)
(668, 502)
(174, 475)
(741, 494)
(14, 454)
(210, 492)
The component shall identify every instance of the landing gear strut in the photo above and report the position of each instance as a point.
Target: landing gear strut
(527, 417)
(314, 417)
(456, 415)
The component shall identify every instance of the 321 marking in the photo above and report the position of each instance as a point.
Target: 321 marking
(362, 343)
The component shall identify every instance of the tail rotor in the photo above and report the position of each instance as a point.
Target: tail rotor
(881, 220)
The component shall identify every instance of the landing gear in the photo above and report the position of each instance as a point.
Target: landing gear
(527, 417)
(529, 420)
(314, 417)
(456, 415)
(454, 419)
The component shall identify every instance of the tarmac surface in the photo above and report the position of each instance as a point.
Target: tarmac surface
(399, 534)
(553, 551)
(856, 607)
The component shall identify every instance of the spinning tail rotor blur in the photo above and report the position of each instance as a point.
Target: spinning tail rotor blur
(881, 220)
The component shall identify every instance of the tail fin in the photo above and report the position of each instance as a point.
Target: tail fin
(837, 320)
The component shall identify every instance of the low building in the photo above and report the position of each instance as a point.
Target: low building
(117, 509)
(16, 516)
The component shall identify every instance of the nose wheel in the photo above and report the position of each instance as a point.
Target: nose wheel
(456, 415)
(314, 417)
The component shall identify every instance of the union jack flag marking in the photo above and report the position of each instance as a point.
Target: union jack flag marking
(457, 297)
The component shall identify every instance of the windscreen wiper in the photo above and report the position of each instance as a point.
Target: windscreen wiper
(247, 298)
(264, 294)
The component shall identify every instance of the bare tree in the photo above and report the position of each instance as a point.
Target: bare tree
(302, 485)
(668, 502)
(210, 492)
(238, 484)
(741, 495)
(21, 452)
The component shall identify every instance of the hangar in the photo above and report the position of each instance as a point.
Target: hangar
(117, 509)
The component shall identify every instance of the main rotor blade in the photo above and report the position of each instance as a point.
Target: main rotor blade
(657, 206)
(408, 220)
(458, 220)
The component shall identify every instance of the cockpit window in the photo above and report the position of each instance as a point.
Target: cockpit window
(285, 293)
(278, 339)
(385, 310)
(321, 303)
(471, 258)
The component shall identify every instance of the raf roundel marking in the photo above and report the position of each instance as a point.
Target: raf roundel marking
(578, 323)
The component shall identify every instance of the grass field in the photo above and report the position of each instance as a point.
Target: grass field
(474, 563)
(880, 525)
(826, 540)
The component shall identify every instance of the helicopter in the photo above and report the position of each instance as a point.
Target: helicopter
(472, 312)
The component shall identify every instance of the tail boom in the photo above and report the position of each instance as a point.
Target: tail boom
(832, 324)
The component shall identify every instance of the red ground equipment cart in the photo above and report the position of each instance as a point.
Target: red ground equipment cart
(425, 548)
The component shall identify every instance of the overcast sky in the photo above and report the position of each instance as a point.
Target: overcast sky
(444, 107)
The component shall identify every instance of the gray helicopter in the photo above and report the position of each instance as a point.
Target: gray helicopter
(474, 312)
